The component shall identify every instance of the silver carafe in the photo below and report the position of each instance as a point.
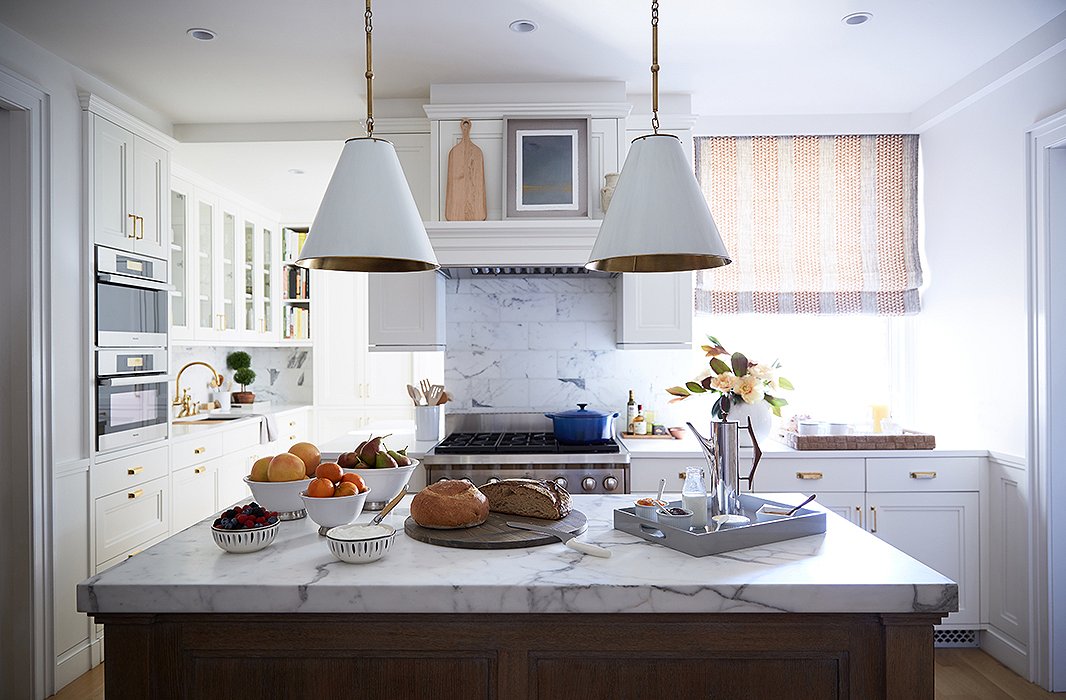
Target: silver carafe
(722, 449)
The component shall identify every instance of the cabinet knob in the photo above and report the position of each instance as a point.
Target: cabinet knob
(199, 470)
(681, 475)
(199, 450)
(923, 475)
(133, 471)
(809, 476)
(135, 494)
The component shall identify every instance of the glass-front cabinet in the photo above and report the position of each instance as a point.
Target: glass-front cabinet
(230, 282)
(180, 312)
(206, 280)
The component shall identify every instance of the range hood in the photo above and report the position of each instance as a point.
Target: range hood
(522, 271)
(519, 245)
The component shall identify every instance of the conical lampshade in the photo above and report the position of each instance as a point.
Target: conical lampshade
(658, 220)
(368, 220)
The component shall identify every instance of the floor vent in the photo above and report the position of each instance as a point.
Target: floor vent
(954, 639)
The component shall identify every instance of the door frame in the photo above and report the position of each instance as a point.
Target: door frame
(1047, 339)
(19, 94)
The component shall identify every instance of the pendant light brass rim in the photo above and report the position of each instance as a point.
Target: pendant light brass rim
(369, 138)
(659, 262)
(346, 263)
(651, 136)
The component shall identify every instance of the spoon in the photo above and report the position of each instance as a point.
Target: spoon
(391, 504)
(414, 394)
(662, 487)
(809, 499)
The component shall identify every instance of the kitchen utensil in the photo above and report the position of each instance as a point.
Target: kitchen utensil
(389, 506)
(465, 195)
(360, 544)
(384, 483)
(414, 393)
(583, 426)
(808, 500)
(244, 541)
(433, 394)
(662, 487)
(722, 450)
(494, 533)
(569, 539)
(444, 398)
(280, 496)
(334, 511)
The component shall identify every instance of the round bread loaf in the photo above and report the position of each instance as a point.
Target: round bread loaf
(449, 505)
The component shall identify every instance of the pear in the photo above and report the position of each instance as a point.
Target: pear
(384, 461)
(349, 460)
(368, 452)
(361, 446)
(401, 459)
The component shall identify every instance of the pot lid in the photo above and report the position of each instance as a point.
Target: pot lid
(581, 413)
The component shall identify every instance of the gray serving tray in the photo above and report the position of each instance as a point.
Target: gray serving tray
(705, 541)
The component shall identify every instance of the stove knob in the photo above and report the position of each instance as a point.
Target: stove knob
(467, 481)
(588, 483)
(492, 480)
(610, 483)
(561, 480)
(443, 478)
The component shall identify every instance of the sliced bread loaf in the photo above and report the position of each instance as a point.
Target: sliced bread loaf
(530, 497)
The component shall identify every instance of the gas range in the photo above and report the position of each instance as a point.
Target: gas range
(482, 457)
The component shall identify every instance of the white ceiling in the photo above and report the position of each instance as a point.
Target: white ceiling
(284, 61)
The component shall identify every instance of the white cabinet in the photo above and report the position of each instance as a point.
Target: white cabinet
(131, 517)
(193, 494)
(406, 311)
(655, 310)
(128, 186)
(1008, 565)
(850, 505)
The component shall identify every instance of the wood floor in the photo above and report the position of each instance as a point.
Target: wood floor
(961, 674)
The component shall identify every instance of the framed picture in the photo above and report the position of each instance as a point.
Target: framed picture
(546, 167)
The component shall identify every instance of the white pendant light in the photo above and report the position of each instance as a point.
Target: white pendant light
(368, 220)
(658, 220)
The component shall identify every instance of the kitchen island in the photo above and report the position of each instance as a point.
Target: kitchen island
(839, 615)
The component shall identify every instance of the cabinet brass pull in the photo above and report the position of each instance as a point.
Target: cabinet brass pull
(923, 475)
(133, 471)
(292, 423)
(873, 511)
(858, 515)
(681, 475)
(135, 494)
(292, 437)
(133, 232)
(199, 470)
(809, 476)
(199, 450)
(133, 554)
(139, 236)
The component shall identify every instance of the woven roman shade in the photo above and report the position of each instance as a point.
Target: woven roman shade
(816, 224)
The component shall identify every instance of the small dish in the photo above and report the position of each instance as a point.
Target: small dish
(768, 512)
(838, 428)
(360, 543)
(281, 496)
(244, 541)
(681, 522)
(724, 522)
(335, 510)
(648, 511)
(810, 427)
(677, 433)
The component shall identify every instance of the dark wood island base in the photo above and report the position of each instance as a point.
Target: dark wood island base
(520, 656)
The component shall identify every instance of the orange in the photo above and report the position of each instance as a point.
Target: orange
(320, 488)
(357, 480)
(329, 470)
(346, 488)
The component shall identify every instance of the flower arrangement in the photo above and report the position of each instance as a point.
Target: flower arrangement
(739, 380)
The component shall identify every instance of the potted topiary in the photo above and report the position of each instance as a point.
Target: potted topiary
(241, 364)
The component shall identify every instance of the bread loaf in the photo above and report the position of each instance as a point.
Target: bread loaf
(449, 505)
(530, 497)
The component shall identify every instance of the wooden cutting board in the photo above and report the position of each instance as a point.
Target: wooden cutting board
(494, 533)
(465, 194)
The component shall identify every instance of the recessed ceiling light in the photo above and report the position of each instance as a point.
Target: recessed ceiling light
(295, 171)
(857, 18)
(201, 34)
(523, 26)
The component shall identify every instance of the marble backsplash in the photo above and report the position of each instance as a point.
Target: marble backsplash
(282, 375)
(548, 343)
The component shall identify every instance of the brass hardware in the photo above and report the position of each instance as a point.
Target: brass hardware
(199, 450)
(873, 510)
(133, 233)
(680, 475)
(368, 25)
(182, 398)
(134, 553)
(199, 470)
(923, 475)
(133, 471)
(858, 515)
(134, 266)
(809, 476)
(292, 423)
(134, 362)
(654, 66)
(135, 494)
(292, 437)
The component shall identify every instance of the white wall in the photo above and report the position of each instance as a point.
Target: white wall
(972, 335)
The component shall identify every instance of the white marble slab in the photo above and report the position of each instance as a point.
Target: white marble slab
(845, 570)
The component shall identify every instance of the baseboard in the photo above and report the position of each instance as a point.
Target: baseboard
(1005, 649)
(73, 663)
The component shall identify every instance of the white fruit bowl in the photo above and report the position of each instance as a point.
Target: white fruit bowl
(281, 496)
(334, 511)
(244, 541)
(360, 544)
(384, 483)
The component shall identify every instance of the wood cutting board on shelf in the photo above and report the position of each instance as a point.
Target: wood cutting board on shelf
(464, 199)
(494, 533)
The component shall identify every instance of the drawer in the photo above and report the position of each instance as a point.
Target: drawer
(229, 481)
(241, 437)
(130, 518)
(292, 427)
(188, 453)
(193, 494)
(923, 474)
(810, 475)
(101, 568)
(127, 472)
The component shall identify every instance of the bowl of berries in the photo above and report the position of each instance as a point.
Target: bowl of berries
(244, 529)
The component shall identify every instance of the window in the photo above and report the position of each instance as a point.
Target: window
(816, 224)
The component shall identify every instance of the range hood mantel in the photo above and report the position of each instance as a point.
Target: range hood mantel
(513, 243)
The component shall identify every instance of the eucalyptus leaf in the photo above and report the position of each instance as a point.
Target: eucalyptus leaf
(678, 391)
(719, 367)
(695, 388)
(727, 404)
(776, 410)
(785, 384)
(706, 383)
(740, 364)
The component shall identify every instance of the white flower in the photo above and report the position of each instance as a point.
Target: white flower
(762, 372)
(750, 389)
(724, 382)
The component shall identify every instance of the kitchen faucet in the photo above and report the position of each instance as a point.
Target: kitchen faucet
(182, 397)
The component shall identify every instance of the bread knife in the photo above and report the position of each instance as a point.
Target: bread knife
(569, 539)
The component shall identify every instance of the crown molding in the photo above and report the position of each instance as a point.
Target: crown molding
(101, 107)
(513, 242)
(596, 110)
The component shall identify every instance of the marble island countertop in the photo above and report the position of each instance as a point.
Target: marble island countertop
(846, 570)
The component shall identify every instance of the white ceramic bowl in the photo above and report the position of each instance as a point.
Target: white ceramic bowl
(682, 522)
(361, 543)
(647, 512)
(334, 511)
(384, 483)
(281, 496)
(244, 541)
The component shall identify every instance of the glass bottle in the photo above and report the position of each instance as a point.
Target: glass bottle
(640, 426)
(631, 412)
(694, 495)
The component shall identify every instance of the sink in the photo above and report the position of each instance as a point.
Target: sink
(210, 418)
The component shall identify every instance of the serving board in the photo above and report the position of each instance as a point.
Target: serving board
(464, 198)
(494, 533)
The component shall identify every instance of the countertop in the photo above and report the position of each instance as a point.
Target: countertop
(399, 432)
(182, 431)
(689, 448)
(845, 570)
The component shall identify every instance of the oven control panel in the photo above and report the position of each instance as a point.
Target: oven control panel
(574, 478)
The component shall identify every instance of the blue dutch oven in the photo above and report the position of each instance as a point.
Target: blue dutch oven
(582, 426)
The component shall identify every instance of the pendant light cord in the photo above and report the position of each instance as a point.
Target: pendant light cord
(369, 27)
(654, 65)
